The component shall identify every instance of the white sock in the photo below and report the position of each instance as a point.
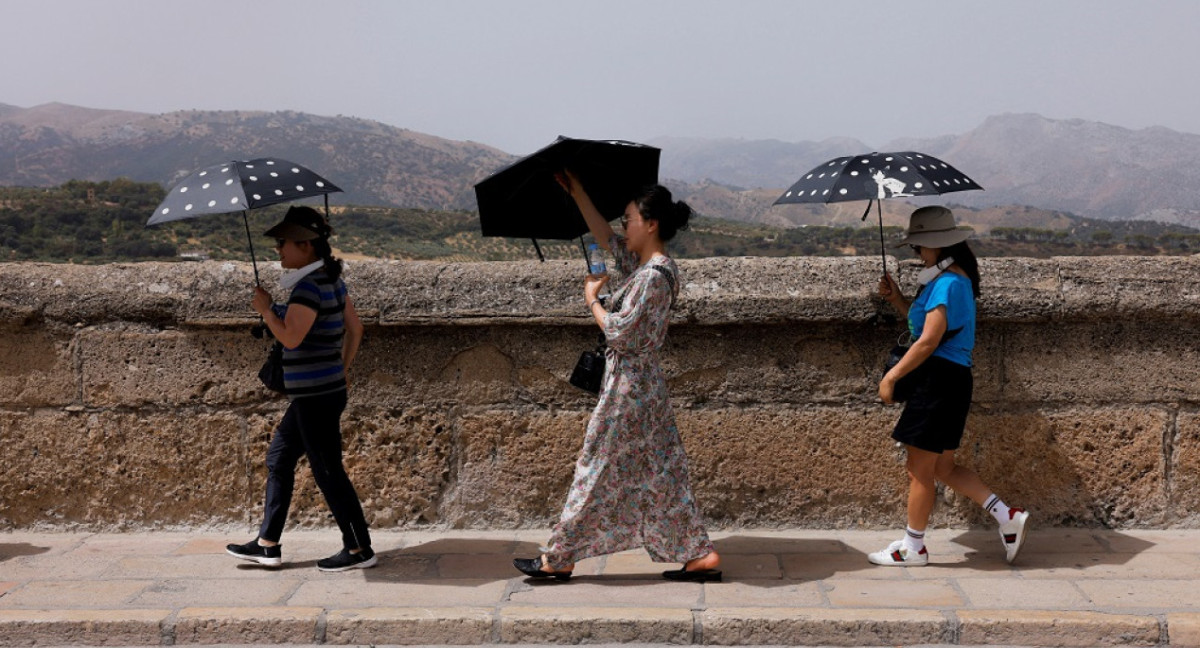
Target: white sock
(997, 508)
(914, 541)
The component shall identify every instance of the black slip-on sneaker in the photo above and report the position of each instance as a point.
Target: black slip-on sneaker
(344, 560)
(254, 552)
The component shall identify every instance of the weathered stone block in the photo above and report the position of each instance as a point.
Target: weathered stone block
(809, 467)
(1185, 469)
(469, 365)
(1102, 362)
(1018, 290)
(515, 468)
(36, 368)
(1117, 287)
(122, 468)
(1073, 466)
(137, 366)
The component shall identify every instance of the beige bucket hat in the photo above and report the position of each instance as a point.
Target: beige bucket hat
(933, 227)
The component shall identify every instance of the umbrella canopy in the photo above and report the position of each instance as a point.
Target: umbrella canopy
(523, 200)
(876, 176)
(239, 185)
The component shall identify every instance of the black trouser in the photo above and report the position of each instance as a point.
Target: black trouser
(312, 426)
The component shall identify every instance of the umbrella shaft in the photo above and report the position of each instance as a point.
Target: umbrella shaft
(253, 262)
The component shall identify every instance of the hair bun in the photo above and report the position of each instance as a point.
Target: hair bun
(682, 213)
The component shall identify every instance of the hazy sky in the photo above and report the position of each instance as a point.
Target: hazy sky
(516, 73)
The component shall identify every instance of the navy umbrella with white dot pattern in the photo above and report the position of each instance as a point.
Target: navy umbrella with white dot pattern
(241, 185)
(238, 186)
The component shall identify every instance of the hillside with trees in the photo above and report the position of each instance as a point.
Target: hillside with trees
(100, 222)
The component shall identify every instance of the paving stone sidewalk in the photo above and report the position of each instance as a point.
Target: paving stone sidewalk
(1070, 587)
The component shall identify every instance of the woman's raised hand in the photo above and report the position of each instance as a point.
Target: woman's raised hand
(567, 180)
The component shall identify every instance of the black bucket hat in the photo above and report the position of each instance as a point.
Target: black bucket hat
(300, 224)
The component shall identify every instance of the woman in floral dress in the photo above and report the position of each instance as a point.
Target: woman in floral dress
(631, 485)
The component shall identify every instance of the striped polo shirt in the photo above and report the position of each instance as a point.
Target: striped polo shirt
(315, 367)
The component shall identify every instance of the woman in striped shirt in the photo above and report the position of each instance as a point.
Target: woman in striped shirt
(320, 333)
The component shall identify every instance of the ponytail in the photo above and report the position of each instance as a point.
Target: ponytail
(333, 265)
(965, 259)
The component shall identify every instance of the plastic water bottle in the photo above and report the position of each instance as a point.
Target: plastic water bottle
(596, 266)
(595, 259)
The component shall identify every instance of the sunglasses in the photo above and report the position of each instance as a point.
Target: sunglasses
(625, 220)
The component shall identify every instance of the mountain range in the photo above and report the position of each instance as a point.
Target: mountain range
(1085, 168)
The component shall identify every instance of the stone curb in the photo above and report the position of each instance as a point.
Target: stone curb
(430, 626)
(83, 627)
(1056, 628)
(575, 625)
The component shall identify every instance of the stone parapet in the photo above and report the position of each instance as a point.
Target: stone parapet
(129, 397)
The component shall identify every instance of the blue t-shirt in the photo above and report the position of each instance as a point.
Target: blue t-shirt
(953, 291)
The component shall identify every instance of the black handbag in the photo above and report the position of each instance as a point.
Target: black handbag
(588, 373)
(904, 387)
(271, 373)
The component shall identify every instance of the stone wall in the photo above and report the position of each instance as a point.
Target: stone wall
(128, 396)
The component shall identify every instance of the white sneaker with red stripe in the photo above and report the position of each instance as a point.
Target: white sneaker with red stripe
(1013, 533)
(897, 556)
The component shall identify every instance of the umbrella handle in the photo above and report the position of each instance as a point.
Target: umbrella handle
(253, 262)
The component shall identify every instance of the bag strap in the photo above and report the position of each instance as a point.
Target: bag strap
(670, 281)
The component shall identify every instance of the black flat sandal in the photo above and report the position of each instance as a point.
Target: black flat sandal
(532, 567)
(693, 576)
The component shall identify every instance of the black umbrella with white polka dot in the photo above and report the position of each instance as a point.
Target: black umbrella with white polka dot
(874, 177)
(241, 185)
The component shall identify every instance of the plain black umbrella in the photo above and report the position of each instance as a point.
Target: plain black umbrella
(875, 177)
(241, 185)
(523, 200)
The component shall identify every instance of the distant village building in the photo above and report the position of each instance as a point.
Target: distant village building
(193, 255)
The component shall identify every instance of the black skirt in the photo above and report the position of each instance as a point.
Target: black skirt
(935, 413)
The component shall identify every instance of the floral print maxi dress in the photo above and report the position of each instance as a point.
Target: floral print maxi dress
(631, 484)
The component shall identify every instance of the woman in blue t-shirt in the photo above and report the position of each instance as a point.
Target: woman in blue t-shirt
(320, 333)
(936, 374)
